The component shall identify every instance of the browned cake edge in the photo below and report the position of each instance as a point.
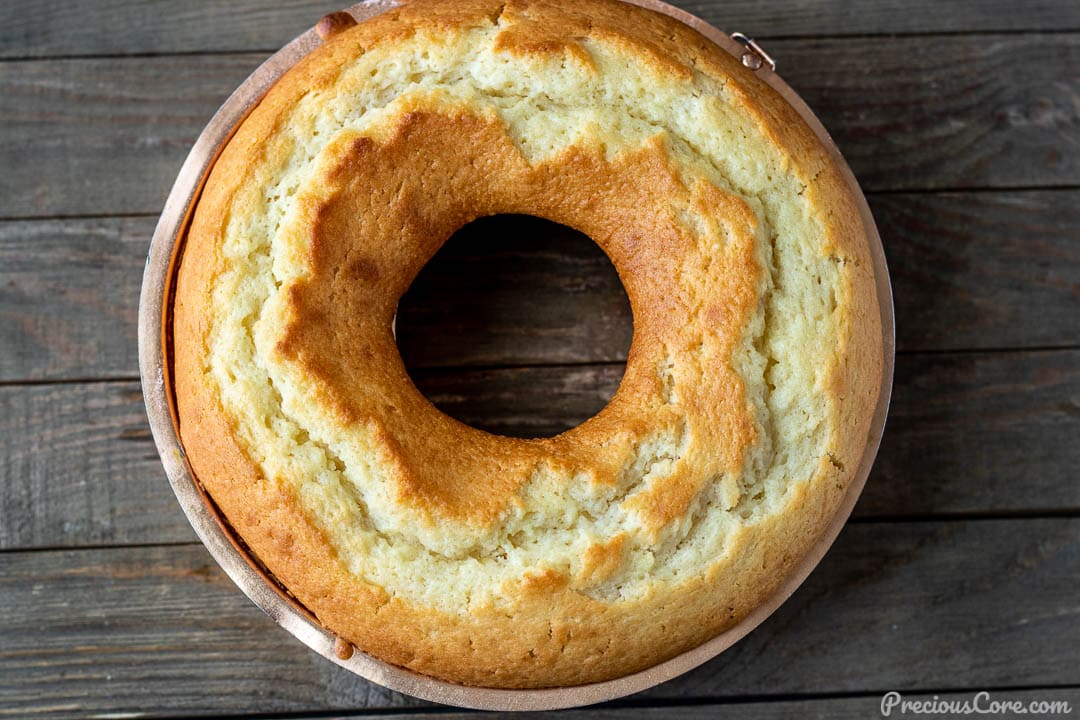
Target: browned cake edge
(590, 641)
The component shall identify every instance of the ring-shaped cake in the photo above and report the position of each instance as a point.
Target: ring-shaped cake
(502, 562)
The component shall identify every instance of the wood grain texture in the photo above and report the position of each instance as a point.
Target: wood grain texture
(980, 432)
(949, 112)
(831, 18)
(982, 604)
(130, 630)
(842, 708)
(78, 466)
(69, 296)
(928, 589)
(33, 28)
(104, 136)
(29, 28)
(515, 290)
(905, 606)
(964, 431)
(984, 270)
(966, 434)
(969, 270)
(521, 402)
(107, 136)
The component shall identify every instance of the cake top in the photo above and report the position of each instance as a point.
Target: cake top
(497, 561)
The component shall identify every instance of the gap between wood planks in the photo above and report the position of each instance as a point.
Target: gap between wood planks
(968, 435)
(972, 272)
(32, 28)
(117, 379)
(869, 194)
(834, 705)
(898, 519)
(996, 602)
(971, 435)
(760, 38)
(908, 113)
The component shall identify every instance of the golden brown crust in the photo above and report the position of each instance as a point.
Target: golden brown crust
(548, 627)
(371, 195)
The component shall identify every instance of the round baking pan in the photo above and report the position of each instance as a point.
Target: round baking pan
(155, 305)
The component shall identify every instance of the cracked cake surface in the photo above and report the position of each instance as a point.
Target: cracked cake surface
(495, 561)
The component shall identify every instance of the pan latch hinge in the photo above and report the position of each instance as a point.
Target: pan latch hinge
(754, 56)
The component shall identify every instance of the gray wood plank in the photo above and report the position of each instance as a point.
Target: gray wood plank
(916, 605)
(107, 136)
(515, 290)
(69, 296)
(959, 604)
(978, 432)
(945, 112)
(841, 708)
(104, 136)
(32, 28)
(984, 270)
(131, 630)
(970, 270)
(831, 18)
(78, 466)
(966, 433)
(521, 402)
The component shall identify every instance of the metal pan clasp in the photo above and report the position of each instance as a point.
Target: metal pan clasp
(754, 56)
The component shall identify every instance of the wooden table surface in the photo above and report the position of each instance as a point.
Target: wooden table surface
(960, 570)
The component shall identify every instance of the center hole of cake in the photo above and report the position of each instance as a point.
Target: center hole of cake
(519, 326)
